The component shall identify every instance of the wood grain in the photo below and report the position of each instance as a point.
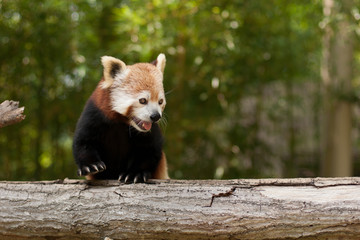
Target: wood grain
(313, 208)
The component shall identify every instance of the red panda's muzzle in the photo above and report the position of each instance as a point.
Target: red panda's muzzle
(144, 125)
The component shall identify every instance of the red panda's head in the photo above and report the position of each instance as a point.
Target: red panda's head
(136, 91)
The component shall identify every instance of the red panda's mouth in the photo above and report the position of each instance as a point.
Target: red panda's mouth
(143, 125)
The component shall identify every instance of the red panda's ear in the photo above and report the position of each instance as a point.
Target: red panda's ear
(160, 62)
(112, 67)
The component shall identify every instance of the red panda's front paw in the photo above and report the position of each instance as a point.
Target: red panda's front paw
(141, 177)
(91, 168)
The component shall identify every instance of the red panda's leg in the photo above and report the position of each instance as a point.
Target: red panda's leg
(161, 171)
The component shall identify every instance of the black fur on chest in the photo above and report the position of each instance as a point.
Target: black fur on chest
(123, 149)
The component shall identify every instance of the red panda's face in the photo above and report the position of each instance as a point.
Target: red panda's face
(136, 91)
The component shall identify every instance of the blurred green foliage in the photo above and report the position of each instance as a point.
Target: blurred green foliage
(242, 79)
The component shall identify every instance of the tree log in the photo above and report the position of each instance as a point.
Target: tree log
(314, 208)
(10, 113)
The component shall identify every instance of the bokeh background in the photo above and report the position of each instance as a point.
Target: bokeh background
(266, 88)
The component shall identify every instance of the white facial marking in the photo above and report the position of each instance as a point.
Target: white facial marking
(121, 101)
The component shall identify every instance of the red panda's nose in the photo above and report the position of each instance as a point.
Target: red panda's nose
(155, 116)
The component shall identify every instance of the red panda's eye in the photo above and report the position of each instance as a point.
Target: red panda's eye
(143, 101)
(161, 101)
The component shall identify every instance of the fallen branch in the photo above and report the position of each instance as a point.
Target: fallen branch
(314, 208)
(10, 113)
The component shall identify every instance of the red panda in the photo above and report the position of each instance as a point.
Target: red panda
(117, 135)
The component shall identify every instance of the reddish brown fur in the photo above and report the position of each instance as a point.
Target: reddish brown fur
(161, 171)
(101, 98)
(144, 76)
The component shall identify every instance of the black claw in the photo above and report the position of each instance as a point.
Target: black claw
(95, 167)
(128, 178)
(86, 170)
(121, 177)
(101, 166)
(137, 179)
(146, 176)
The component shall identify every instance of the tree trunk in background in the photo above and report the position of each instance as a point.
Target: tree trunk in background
(38, 143)
(290, 163)
(336, 75)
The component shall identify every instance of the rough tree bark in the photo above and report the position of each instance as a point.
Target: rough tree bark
(233, 209)
(10, 113)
